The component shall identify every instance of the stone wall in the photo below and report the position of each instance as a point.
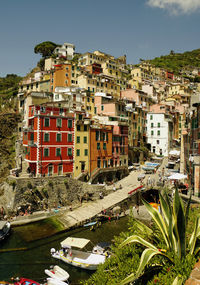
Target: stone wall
(45, 193)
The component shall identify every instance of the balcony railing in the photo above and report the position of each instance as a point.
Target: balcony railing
(32, 143)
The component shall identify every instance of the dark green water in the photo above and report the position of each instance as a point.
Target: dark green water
(32, 262)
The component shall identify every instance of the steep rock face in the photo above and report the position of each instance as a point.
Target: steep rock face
(44, 193)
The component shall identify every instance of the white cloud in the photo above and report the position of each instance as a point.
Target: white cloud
(176, 6)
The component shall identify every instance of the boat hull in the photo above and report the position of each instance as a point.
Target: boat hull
(78, 262)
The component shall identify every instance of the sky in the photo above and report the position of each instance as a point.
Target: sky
(135, 28)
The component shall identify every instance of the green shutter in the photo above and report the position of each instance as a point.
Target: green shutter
(69, 151)
(69, 123)
(59, 122)
(69, 138)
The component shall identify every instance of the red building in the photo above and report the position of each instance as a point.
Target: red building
(48, 139)
(120, 145)
(169, 75)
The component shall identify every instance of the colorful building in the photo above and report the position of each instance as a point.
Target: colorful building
(82, 145)
(48, 140)
(100, 147)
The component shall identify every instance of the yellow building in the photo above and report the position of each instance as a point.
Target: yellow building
(32, 84)
(99, 83)
(82, 145)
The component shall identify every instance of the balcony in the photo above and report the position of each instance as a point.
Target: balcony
(32, 143)
(28, 128)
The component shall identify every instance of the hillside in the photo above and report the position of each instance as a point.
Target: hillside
(8, 122)
(177, 62)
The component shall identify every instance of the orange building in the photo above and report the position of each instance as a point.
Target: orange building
(61, 76)
(100, 147)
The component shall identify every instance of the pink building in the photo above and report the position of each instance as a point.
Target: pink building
(116, 111)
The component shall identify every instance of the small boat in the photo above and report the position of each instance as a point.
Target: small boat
(4, 229)
(53, 281)
(90, 224)
(25, 281)
(93, 225)
(102, 248)
(78, 258)
(56, 272)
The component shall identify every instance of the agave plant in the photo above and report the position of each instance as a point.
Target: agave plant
(172, 224)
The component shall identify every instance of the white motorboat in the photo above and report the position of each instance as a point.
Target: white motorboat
(56, 272)
(53, 281)
(78, 258)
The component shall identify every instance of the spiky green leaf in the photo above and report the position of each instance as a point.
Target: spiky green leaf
(187, 210)
(134, 238)
(194, 235)
(180, 226)
(159, 221)
(178, 281)
(147, 254)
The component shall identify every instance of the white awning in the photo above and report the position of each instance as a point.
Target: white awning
(174, 152)
(75, 242)
(177, 176)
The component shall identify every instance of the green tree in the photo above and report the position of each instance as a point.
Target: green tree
(41, 63)
(172, 225)
(45, 48)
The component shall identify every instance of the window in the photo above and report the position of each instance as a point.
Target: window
(104, 136)
(58, 137)
(78, 127)
(152, 133)
(151, 117)
(158, 125)
(69, 137)
(32, 137)
(158, 141)
(46, 152)
(85, 139)
(80, 117)
(98, 145)
(42, 109)
(78, 139)
(151, 125)
(99, 162)
(69, 151)
(85, 128)
(58, 152)
(69, 123)
(78, 152)
(104, 146)
(59, 123)
(46, 137)
(66, 74)
(46, 122)
(97, 135)
(102, 107)
(158, 133)
(86, 152)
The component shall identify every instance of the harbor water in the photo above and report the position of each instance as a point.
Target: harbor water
(24, 255)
